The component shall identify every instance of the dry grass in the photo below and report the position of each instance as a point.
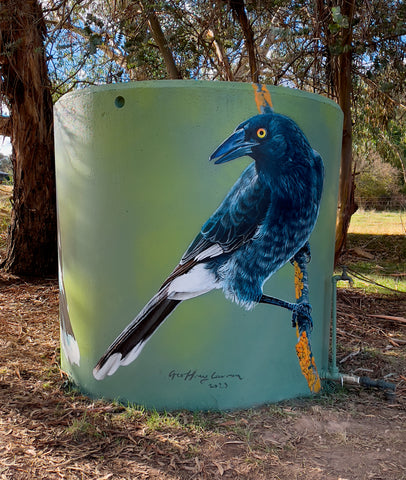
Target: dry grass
(378, 223)
(6, 194)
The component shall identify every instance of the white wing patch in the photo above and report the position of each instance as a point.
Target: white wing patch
(133, 354)
(197, 281)
(109, 367)
(70, 348)
(117, 360)
(213, 251)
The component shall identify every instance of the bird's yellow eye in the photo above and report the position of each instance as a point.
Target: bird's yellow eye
(261, 133)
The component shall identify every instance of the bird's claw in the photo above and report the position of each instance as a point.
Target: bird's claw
(301, 317)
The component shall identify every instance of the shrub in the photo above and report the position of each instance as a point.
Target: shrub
(378, 184)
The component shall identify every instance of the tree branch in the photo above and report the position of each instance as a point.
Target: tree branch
(221, 55)
(111, 53)
(379, 91)
(238, 8)
(158, 34)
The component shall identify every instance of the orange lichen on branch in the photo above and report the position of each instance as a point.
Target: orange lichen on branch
(298, 281)
(307, 363)
(262, 98)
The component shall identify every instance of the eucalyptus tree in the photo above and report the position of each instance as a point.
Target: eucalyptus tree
(350, 50)
(25, 89)
(354, 53)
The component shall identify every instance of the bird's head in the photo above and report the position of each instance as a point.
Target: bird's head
(267, 138)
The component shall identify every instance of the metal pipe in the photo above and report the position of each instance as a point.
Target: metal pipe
(388, 388)
(333, 369)
(333, 373)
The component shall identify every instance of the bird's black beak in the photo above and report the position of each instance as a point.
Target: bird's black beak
(234, 147)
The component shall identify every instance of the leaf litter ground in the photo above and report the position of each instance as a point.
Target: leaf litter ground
(50, 431)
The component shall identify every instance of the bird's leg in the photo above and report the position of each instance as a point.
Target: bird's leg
(301, 317)
(302, 309)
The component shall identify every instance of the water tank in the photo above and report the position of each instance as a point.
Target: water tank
(134, 187)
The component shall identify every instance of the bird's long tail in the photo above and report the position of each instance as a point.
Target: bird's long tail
(128, 345)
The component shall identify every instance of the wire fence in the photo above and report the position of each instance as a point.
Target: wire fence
(392, 203)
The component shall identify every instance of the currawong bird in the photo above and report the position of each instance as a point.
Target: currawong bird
(265, 219)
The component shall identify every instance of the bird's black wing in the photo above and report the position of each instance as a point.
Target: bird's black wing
(319, 169)
(127, 346)
(234, 222)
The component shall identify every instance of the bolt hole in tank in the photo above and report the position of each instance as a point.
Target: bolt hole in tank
(134, 187)
(119, 101)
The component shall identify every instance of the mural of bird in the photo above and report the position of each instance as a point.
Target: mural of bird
(263, 222)
(70, 345)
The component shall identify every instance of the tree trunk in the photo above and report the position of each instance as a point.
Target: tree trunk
(32, 244)
(238, 8)
(346, 203)
(159, 37)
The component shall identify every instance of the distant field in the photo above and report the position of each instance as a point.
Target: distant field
(378, 223)
(6, 193)
(376, 251)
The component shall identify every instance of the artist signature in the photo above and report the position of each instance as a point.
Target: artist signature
(211, 380)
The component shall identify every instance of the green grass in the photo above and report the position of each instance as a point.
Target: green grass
(83, 428)
(376, 246)
(161, 421)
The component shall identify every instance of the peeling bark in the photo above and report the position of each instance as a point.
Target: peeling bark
(31, 244)
(346, 202)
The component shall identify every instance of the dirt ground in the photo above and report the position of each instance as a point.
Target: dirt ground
(49, 431)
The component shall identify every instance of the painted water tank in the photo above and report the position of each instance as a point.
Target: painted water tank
(134, 187)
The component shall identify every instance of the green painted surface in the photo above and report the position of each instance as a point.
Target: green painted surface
(134, 186)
